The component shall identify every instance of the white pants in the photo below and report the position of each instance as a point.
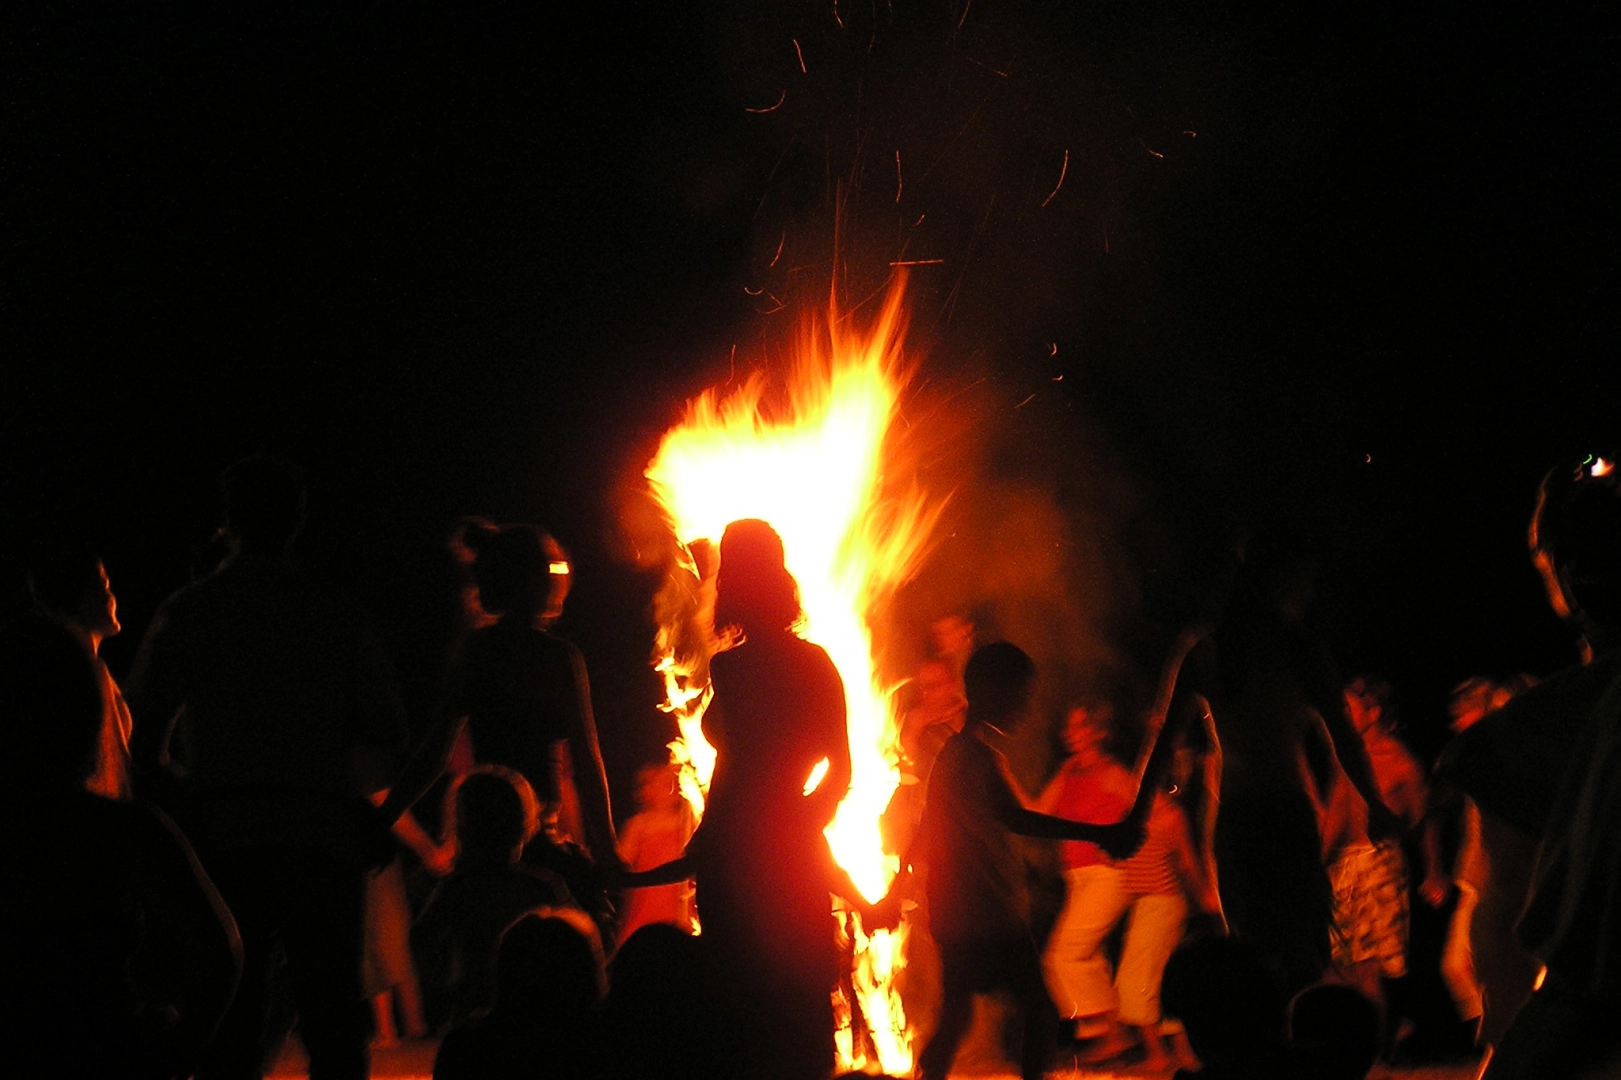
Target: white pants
(1152, 933)
(1078, 974)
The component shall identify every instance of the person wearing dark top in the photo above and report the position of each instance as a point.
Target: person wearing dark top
(455, 937)
(290, 717)
(120, 956)
(519, 692)
(549, 987)
(1514, 763)
(762, 866)
(1269, 677)
(1543, 771)
(974, 880)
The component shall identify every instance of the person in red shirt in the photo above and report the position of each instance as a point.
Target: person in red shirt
(1091, 786)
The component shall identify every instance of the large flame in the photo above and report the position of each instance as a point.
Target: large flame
(815, 470)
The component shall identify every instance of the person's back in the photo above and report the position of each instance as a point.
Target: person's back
(290, 714)
(280, 679)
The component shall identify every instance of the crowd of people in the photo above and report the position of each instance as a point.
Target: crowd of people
(244, 841)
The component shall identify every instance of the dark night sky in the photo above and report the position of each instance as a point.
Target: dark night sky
(472, 262)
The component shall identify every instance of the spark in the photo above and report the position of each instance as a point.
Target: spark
(1062, 172)
(1052, 348)
(1150, 149)
(781, 97)
(1191, 134)
(801, 54)
(917, 262)
(754, 292)
(1025, 402)
(987, 67)
(1058, 378)
(781, 242)
(964, 18)
(898, 182)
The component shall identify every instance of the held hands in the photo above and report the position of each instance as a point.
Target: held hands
(1122, 840)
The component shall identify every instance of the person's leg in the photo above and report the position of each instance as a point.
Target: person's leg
(1040, 1018)
(1458, 959)
(324, 938)
(1077, 971)
(956, 1011)
(250, 885)
(1152, 933)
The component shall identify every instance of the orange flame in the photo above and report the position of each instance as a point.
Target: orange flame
(816, 470)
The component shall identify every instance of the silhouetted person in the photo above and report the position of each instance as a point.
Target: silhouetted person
(118, 954)
(1573, 906)
(69, 583)
(544, 1023)
(1511, 763)
(1269, 679)
(974, 874)
(763, 869)
(493, 814)
(290, 714)
(519, 694)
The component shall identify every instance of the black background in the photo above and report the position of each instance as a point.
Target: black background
(1346, 266)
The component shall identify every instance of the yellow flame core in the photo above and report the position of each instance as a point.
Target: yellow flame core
(815, 471)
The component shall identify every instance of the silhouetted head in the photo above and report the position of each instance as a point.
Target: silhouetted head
(1575, 540)
(68, 581)
(264, 506)
(50, 706)
(493, 814)
(1222, 991)
(549, 967)
(1000, 680)
(1338, 1029)
(753, 589)
(520, 571)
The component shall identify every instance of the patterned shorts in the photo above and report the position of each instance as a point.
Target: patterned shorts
(1370, 907)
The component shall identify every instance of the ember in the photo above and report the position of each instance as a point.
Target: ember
(821, 471)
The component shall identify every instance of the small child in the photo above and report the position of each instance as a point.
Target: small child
(493, 813)
(656, 834)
